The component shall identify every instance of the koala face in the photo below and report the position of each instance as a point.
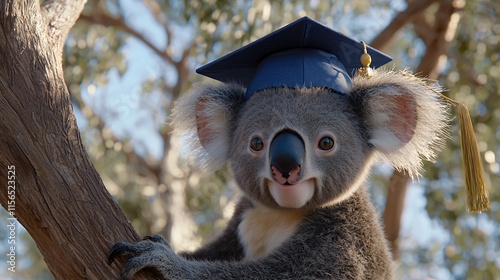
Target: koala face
(330, 140)
(303, 148)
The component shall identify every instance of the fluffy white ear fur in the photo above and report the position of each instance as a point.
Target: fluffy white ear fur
(408, 121)
(203, 121)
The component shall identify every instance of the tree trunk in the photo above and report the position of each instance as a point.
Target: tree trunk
(59, 197)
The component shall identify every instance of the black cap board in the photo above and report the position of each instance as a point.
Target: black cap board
(304, 53)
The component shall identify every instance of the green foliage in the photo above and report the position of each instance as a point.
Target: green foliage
(90, 52)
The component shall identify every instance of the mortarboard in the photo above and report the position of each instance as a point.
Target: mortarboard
(303, 53)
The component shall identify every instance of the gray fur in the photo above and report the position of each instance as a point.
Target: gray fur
(339, 236)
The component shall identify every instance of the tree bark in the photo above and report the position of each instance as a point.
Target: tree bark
(59, 197)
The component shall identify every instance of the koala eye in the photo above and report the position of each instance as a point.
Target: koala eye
(256, 144)
(326, 143)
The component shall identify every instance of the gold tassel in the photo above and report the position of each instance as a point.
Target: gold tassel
(477, 194)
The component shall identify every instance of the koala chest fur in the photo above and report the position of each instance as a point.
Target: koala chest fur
(262, 230)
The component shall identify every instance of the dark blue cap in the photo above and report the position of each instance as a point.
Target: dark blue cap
(304, 53)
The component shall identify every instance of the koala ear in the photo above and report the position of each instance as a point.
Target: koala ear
(407, 121)
(204, 121)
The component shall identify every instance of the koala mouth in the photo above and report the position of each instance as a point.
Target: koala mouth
(289, 195)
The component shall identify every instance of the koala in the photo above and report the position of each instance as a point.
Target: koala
(301, 157)
(301, 131)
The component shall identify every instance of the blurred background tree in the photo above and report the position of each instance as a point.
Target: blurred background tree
(126, 62)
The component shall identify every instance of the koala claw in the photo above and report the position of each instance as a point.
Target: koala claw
(153, 252)
(157, 239)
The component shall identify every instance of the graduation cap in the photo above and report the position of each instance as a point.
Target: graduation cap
(304, 53)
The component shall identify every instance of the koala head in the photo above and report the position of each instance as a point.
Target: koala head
(310, 147)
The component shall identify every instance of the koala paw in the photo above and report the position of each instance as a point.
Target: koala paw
(153, 252)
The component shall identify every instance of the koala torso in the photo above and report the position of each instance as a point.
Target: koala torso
(341, 241)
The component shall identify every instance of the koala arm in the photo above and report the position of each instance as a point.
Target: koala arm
(226, 247)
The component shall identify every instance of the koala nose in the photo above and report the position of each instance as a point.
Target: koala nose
(286, 154)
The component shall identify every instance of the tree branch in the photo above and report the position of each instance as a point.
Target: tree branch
(412, 11)
(434, 58)
(394, 205)
(102, 18)
(424, 30)
(155, 9)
